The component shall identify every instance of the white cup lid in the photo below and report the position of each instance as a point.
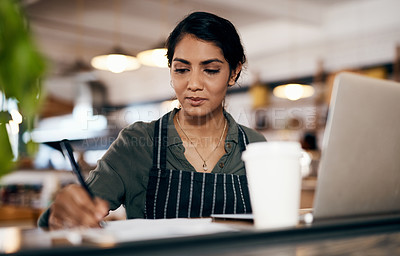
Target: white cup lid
(273, 148)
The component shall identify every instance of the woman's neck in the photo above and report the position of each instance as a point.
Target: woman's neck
(207, 125)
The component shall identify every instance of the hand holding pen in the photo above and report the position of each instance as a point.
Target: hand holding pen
(75, 205)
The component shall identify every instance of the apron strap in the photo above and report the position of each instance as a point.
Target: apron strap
(243, 140)
(160, 142)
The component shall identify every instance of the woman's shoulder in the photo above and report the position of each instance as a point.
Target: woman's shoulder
(136, 134)
(143, 127)
(140, 131)
(140, 128)
(253, 135)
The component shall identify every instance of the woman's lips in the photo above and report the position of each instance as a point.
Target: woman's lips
(196, 101)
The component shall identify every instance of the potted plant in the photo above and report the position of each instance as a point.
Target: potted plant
(21, 69)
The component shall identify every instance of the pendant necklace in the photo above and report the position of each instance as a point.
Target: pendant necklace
(205, 167)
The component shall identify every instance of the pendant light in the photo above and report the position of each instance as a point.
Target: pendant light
(293, 91)
(157, 56)
(80, 65)
(117, 60)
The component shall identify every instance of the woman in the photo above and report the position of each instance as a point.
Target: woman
(187, 163)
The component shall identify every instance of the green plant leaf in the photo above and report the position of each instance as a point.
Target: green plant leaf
(21, 67)
(6, 156)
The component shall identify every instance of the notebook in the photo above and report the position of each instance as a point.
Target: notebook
(359, 172)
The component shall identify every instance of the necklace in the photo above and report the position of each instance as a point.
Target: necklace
(205, 167)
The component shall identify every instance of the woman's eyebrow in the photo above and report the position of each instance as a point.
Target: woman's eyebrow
(182, 60)
(203, 63)
(210, 61)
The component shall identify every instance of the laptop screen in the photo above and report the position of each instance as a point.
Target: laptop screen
(359, 172)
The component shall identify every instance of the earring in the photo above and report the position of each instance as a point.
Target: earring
(170, 83)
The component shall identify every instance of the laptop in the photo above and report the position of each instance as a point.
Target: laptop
(359, 172)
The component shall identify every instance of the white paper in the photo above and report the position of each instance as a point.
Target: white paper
(141, 229)
(144, 229)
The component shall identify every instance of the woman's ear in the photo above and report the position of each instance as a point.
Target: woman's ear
(234, 75)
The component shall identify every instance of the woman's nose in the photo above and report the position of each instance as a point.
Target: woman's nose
(195, 82)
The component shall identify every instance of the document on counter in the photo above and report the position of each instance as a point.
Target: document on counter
(143, 229)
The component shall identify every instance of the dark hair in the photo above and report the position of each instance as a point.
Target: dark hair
(211, 28)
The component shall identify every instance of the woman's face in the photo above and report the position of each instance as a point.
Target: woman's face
(200, 76)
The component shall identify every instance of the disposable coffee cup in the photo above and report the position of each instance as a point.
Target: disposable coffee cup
(274, 180)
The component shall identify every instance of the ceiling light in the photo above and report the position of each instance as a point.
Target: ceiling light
(117, 61)
(154, 57)
(293, 91)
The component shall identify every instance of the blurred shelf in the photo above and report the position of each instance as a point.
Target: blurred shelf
(18, 216)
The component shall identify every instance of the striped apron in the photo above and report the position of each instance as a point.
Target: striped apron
(188, 194)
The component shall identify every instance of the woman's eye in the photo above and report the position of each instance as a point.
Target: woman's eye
(181, 70)
(212, 71)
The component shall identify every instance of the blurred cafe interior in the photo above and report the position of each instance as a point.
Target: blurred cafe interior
(294, 50)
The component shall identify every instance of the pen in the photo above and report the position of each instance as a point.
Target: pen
(68, 152)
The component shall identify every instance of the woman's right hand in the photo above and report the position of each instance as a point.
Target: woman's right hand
(73, 207)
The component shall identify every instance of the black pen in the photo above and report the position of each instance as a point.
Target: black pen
(68, 152)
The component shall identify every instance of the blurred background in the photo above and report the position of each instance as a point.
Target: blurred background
(303, 43)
